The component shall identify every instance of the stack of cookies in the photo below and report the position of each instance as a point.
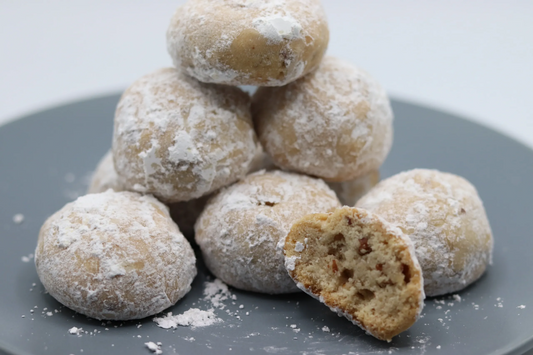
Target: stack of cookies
(259, 182)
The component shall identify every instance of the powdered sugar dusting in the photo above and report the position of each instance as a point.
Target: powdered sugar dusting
(201, 35)
(278, 28)
(80, 264)
(194, 318)
(299, 247)
(27, 259)
(275, 350)
(180, 139)
(75, 331)
(444, 216)
(217, 292)
(153, 347)
(335, 123)
(241, 228)
(290, 262)
(18, 218)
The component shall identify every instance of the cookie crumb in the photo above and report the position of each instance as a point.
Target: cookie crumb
(76, 331)
(27, 259)
(153, 347)
(457, 298)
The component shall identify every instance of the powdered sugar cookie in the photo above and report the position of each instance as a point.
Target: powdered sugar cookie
(359, 266)
(349, 192)
(445, 218)
(114, 255)
(240, 228)
(248, 42)
(179, 139)
(335, 123)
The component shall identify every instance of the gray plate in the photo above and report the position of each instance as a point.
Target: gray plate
(45, 160)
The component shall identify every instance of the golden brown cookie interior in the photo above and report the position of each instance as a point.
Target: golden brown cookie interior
(360, 267)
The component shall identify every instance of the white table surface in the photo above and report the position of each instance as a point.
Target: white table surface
(473, 58)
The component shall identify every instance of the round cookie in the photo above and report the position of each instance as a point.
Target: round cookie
(360, 266)
(240, 228)
(105, 176)
(349, 192)
(445, 218)
(335, 123)
(114, 255)
(179, 139)
(248, 42)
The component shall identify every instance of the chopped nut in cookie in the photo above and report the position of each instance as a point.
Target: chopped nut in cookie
(360, 266)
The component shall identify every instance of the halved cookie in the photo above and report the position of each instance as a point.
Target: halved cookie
(359, 266)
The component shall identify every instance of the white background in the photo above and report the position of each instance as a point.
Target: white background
(473, 58)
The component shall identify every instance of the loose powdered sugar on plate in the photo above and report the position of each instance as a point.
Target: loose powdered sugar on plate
(215, 293)
(75, 331)
(27, 259)
(18, 218)
(153, 347)
(194, 318)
